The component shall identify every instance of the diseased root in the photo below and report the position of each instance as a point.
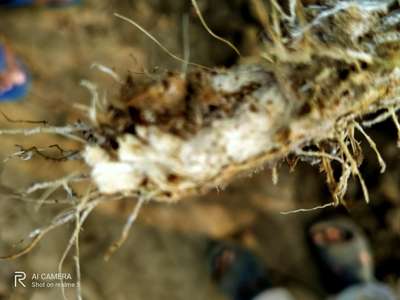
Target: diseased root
(183, 135)
(325, 71)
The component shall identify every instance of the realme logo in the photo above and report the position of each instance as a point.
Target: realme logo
(19, 278)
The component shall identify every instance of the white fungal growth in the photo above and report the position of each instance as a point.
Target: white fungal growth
(154, 155)
(231, 82)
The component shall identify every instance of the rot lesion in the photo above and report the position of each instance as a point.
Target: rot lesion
(178, 104)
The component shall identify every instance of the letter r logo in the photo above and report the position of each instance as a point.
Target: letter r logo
(19, 278)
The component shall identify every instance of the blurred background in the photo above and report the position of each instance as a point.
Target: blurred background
(165, 255)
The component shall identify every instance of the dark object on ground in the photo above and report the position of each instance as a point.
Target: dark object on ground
(238, 272)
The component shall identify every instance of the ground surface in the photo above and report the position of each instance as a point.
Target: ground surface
(164, 257)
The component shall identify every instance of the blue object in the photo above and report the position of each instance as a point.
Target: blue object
(59, 3)
(17, 3)
(16, 91)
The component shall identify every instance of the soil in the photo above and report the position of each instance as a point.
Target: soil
(165, 255)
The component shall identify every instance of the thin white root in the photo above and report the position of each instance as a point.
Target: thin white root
(204, 23)
(125, 231)
(280, 10)
(51, 186)
(392, 112)
(319, 155)
(107, 70)
(353, 165)
(83, 209)
(78, 273)
(261, 13)
(78, 225)
(58, 182)
(373, 146)
(94, 102)
(130, 21)
(292, 9)
(186, 44)
(66, 131)
(300, 210)
(22, 154)
(275, 175)
(37, 234)
(380, 118)
(341, 188)
(79, 220)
